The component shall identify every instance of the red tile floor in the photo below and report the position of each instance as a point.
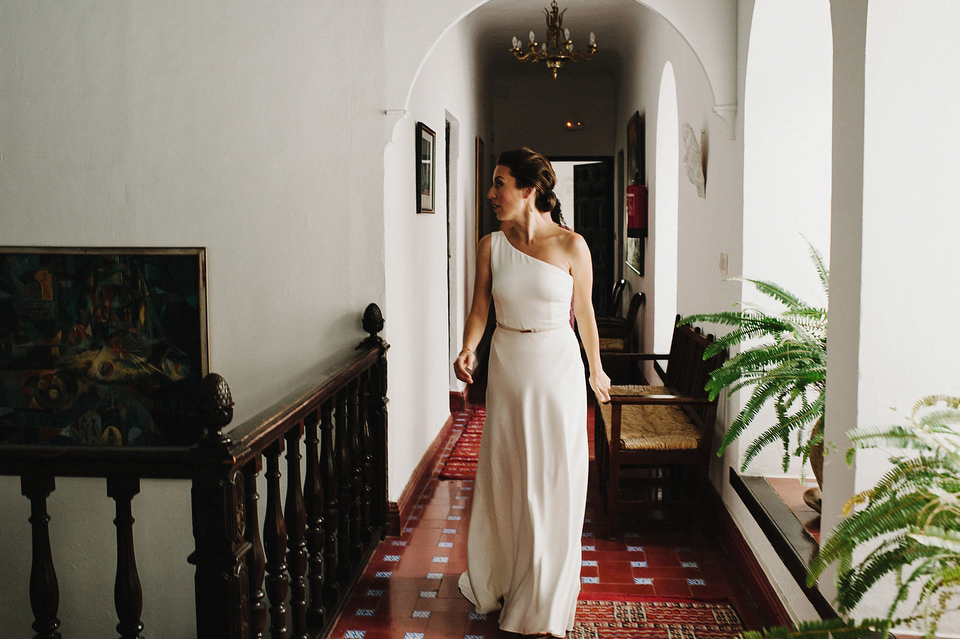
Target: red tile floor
(409, 589)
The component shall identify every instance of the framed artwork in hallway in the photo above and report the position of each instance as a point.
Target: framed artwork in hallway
(636, 171)
(426, 169)
(101, 346)
(481, 181)
(635, 254)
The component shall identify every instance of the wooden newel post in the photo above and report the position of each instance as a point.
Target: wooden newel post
(376, 409)
(219, 522)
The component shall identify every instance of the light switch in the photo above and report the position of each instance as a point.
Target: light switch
(723, 263)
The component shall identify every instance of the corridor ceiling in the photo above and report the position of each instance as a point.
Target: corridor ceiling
(615, 23)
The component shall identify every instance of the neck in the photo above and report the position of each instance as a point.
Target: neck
(527, 227)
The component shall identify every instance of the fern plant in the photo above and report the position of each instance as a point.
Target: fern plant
(787, 366)
(909, 521)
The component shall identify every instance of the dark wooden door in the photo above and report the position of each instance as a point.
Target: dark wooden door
(594, 219)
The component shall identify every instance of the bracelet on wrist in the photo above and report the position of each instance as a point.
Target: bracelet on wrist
(466, 350)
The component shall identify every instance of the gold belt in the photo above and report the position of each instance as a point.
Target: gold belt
(530, 330)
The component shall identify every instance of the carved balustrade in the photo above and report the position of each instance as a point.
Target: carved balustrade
(283, 568)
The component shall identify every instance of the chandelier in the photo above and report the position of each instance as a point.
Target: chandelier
(558, 49)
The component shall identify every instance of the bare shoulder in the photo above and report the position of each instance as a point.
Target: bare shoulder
(484, 244)
(573, 243)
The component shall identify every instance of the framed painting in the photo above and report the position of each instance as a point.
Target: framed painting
(101, 346)
(426, 169)
(481, 181)
(635, 254)
(621, 212)
(636, 173)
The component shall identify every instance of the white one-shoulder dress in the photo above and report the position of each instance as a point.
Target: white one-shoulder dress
(523, 548)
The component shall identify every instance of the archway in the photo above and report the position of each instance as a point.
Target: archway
(666, 214)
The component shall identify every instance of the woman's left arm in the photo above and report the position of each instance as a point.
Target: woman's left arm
(581, 267)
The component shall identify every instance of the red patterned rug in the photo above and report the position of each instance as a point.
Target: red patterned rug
(462, 462)
(655, 620)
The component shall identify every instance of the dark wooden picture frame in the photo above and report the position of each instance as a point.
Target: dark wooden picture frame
(635, 249)
(636, 173)
(481, 185)
(101, 346)
(426, 168)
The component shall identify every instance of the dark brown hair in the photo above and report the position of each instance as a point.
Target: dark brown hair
(531, 169)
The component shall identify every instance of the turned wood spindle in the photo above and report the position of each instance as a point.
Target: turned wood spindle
(255, 558)
(331, 514)
(296, 520)
(344, 467)
(127, 593)
(366, 458)
(355, 432)
(313, 503)
(44, 588)
(274, 543)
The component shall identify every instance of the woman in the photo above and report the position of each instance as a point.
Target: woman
(523, 551)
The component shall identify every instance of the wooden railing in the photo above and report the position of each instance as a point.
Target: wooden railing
(316, 538)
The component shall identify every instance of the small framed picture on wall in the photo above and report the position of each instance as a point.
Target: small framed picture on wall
(426, 170)
(636, 174)
(481, 181)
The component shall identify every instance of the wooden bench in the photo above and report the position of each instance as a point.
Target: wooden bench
(658, 436)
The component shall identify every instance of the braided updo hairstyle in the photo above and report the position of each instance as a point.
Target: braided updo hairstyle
(531, 169)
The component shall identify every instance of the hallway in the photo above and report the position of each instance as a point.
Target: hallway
(409, 589)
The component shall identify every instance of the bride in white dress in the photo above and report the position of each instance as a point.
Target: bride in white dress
(523, 547)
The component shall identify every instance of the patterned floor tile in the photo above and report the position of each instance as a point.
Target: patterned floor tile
(410, 589)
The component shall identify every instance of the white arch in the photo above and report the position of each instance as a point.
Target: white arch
(412, 34)
(666, 212)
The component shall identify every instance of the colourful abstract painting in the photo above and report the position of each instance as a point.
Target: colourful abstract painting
(101, 347)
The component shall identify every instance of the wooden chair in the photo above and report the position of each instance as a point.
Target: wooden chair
(613, 309)
(613, 317)
(659, 437)
(618, 338)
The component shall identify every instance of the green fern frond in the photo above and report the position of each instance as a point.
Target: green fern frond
(864, 527)
(776, 292)
(822, 271)
(825, 629)
(909, 520)
(853, 585)
(782, 360)
(934, 536)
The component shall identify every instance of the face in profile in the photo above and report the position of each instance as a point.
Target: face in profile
(507, 199)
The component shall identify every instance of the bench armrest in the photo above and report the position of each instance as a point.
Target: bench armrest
(658, 400)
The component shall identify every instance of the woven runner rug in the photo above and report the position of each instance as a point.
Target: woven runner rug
(655, 620)
(462, 462)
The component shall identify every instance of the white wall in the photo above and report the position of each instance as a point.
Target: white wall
(908, 292)
(664, 223)
(787, 113)
(416, 252)
(244, 127)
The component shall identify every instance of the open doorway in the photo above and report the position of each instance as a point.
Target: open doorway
(585, 188)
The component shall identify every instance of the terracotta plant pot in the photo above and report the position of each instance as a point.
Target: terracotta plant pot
(812, 496)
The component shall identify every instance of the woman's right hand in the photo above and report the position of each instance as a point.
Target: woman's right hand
(464, 364)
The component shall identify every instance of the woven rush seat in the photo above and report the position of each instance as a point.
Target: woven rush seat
(616, 344)
(651, 427)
